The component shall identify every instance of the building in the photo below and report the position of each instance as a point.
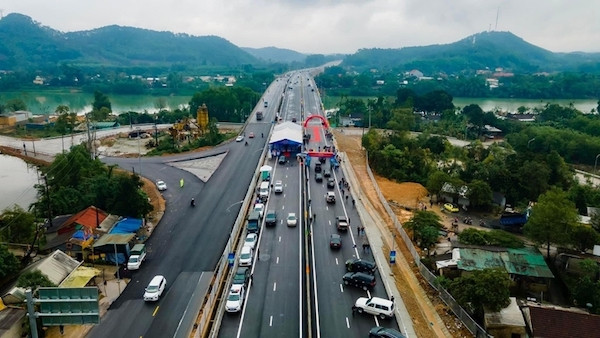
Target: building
(506, 323)
(556, 322)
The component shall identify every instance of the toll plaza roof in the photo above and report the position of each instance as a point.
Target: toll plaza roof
(286, 133)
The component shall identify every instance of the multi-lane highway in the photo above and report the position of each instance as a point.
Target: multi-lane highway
(297, 279)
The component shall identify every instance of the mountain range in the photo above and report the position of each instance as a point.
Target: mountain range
(27, 45)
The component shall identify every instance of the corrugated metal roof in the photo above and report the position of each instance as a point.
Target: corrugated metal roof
(525, 261)
(79, 277)
(118, 239)
(57, 266)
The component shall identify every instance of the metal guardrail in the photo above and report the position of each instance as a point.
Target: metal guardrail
(460, 313)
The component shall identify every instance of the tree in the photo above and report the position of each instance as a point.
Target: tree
(425, 226)
(101, 101)
(584, 238)
(475, 115)
(552, 219)
(436, 181)
(481, 289)
(480, 194)
(9, 264)
(66, 120)
(34, 279)
(587, 287)
(16, 105)
(17, 224)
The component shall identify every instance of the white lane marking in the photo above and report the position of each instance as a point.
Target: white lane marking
(347, 323)
(283, 207)
(341, 288)
(271, 321)
(279, 238)
(336, 261)
(329, 222)
(277, 260)
(274, 287)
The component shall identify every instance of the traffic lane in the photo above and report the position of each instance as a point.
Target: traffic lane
(279, 268)
(191, 239)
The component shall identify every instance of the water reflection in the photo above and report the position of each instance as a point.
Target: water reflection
(17, 180)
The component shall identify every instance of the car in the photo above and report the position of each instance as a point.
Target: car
(242, 275)
(251, 135)
(318, 168)
(322, 160)
(294, 119)
(326, 173)
(246, 256)
(235, 300)
(359, 279)
(292, 220)
(330, 197)
(331, 183)
(384, 332)
(282, 159)
(271, 218)
(318, 177)
(260, 208)
(335, 241)
(251, 240)
(239, 138)
(161, 185)
(360, 265)
(381, 307)
(342, 223)
(278, 188)
(450, 207)
(155, 288)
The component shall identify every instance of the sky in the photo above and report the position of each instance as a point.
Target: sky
(333, 26)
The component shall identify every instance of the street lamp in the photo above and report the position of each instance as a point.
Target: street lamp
(596, 162)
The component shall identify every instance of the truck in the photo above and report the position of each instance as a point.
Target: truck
(253, 222)
(259, 115)
(138, 254)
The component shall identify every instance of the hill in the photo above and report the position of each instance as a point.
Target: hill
(274, 54)
(486, 50)
(27, 44)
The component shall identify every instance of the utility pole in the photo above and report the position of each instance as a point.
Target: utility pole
(87, 122)
(48, 200)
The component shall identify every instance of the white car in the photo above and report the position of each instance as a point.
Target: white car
(161, 185)
(260, 208)
(239, 138)
(155, 288)
(251, 240)
(235, 300)
(278, 188)
(292, 220)
(381, 307)
(246, 256)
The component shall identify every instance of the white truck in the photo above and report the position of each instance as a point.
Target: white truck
(138, 254)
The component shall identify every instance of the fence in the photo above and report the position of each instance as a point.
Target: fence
(460, 313)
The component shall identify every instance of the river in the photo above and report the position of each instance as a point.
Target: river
(17, 180)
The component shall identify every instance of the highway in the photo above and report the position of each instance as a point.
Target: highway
(279, 303)
(187, 244)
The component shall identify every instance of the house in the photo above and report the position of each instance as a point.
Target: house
(506, 323)
(11, 321)
(557, 322)
(453, 194)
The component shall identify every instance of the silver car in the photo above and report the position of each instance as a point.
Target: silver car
(278, 188)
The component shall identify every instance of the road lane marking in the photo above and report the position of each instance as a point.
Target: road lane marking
(155, 311)
(279, 238)
(274, 286)
(329, 222)
(341, 288)
(283, 207)
(271, 321)
(347, 323)
(336, 261)
(277, 260)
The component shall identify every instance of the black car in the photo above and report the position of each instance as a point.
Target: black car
(318, 177)
(360, 265)
(335, 241)
(384, 332)
(271, 218)
(331, 183)
(318, 168)
(322, 159)
(360, 280)
(241, 275)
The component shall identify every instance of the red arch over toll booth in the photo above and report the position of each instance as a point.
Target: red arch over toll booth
(314, 116)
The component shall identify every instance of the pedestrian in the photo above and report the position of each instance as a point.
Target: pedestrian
(392, 298)
(343, 192)
(358, 231)
(353, 202)
(364, 246)
(354, 309)
(25, 148)
(346, 198)
(251, 277)
(362, 229)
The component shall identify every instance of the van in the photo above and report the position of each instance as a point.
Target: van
(253, 223)
(155, 288)
(138, 254)
(263, 191)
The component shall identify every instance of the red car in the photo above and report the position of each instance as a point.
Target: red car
(335, 241)
(251, 135)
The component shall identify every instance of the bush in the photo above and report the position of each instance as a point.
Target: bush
(492, 238)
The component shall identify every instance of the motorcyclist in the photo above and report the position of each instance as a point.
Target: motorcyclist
(193, 203)
(246, 143)
(262, 135)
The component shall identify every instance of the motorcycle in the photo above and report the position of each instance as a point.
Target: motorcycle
(468, 220)
(193, 203)
(246, 143)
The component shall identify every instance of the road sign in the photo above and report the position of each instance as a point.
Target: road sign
(69, 306)
(392, 256)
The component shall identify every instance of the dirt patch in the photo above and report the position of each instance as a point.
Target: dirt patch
(403, 197)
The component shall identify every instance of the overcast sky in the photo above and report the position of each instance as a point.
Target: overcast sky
(333, 26)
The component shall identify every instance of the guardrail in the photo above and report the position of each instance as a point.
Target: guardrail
(458, 311)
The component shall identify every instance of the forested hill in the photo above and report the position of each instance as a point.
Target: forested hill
(27, 44)
(274, 54)
(486, 50)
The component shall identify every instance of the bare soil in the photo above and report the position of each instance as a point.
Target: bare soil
(403, 196)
